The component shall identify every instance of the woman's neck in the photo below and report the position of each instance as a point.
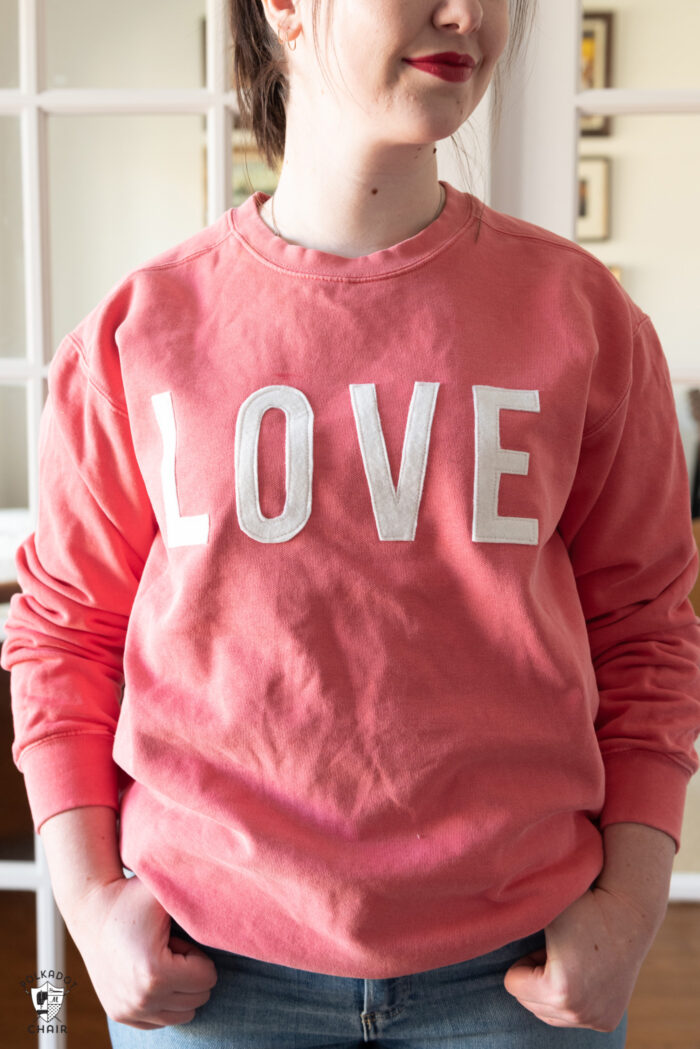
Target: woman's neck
(329, 206)
(346, 249)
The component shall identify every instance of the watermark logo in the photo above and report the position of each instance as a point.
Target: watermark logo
(48, 999)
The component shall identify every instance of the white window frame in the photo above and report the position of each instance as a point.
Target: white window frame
(33, 104)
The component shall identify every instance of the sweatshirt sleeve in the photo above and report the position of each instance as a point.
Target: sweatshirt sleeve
(628, 530)
(79, 572)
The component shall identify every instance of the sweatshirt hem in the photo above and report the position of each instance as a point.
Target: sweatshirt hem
(291, 947)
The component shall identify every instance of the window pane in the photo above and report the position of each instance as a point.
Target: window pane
(13, 447)
(121, 189)
(12, 328)
(9, 43)
(97, 43)
(649, 44)
(250, 171)
(644, 178)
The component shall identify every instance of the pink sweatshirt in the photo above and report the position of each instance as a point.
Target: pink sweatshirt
(359, 587)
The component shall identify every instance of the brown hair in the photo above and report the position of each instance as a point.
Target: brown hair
(260, 70)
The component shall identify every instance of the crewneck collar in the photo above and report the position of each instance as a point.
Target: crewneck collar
(248, 226)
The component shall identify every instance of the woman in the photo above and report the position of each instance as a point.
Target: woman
(396, 760)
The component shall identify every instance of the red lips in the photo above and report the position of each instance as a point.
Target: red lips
(450, 58)
(448, 65)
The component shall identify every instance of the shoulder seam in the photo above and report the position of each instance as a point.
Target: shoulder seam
(79, 345)
(644, 320)
(80, 349)
(601, 423)
(558, 242)
(186, 258)
(613, 411)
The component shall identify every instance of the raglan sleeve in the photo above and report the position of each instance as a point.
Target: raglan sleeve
(628, 530)
(78, 572)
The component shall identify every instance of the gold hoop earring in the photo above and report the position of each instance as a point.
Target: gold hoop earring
(286, 40)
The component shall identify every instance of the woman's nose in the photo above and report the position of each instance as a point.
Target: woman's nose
(467, 15)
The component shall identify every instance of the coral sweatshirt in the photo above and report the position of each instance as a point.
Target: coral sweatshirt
(359, 587)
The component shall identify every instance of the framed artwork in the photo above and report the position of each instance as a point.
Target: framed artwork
(596, 65)
(593, 222)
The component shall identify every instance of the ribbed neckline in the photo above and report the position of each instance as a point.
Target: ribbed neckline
(247, 224)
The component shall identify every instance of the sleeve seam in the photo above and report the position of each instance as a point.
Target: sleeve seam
(58, 736)
(93, 382)
(96, 490)
(663, 755)
(608, 417)
(601, 423)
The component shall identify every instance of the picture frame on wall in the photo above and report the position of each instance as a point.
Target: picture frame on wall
(593, 221)
(596, 65)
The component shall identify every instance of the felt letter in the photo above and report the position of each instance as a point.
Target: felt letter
(395, 508)
(491, 461)
(181, 531)
(299, 464)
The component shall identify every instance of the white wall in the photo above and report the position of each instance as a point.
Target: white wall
(654, 42)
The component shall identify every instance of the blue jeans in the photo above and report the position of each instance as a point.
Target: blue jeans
(260, 1005)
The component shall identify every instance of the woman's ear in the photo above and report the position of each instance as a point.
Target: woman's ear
(283, 13)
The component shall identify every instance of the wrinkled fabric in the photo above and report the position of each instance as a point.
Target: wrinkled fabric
(359, 587)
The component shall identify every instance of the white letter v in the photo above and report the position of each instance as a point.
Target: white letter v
(395, 509)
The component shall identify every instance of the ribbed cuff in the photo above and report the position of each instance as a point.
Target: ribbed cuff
(67, 772)
(643, 786)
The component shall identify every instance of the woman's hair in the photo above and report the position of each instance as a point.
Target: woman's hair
(260, 69)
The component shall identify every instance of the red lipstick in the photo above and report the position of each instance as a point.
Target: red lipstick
(448, 65)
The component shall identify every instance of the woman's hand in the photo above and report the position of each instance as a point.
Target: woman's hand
(143, 977)
(594, 951)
